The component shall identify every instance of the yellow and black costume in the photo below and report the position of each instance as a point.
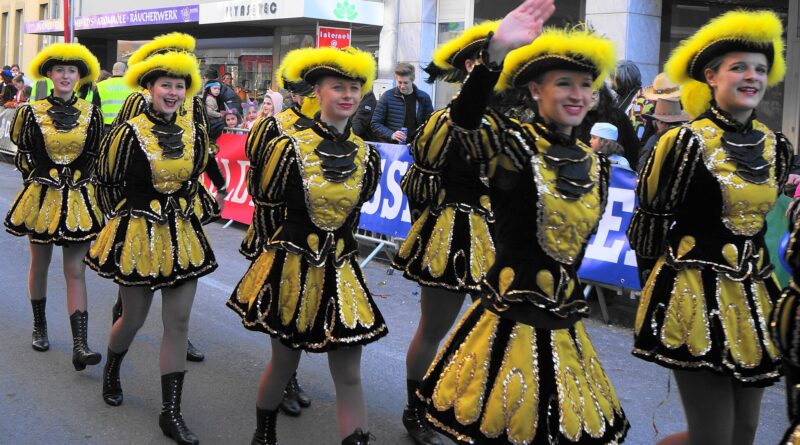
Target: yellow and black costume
(703, 195)
(785, 329)
(148, 179)
(193, 110)
(306, 287)
(449, 245)
(58, 144)
(519, 367)
(265, 129)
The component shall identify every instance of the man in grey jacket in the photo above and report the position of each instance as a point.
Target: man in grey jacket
(404, 106)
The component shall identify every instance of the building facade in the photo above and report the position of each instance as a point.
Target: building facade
(247, 37)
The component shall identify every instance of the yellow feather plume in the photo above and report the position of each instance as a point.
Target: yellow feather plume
(445, 53)
(288, 59)
(64, 53)
(760, 27)
(578, 44)
(351, 62)
(173, 64)
(695, 97)
(174, 41)
(310, 106)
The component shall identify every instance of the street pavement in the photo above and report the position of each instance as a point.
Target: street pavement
(44, 401)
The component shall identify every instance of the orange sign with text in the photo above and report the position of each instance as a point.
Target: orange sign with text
(335, 37)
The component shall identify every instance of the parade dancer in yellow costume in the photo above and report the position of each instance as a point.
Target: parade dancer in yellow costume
(57, 142)
(785, 330)
(449, 247)
(148, 179)
(207, 208)
(520, 368)
(699, 229)
(265, 216)
(305, 289)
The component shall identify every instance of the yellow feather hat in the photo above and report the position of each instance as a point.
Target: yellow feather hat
(174, 41)
(739, 30)
(312, 64)
(171, 64)
(576, 49)
(300, 87)
(66, 54)
(448, 58)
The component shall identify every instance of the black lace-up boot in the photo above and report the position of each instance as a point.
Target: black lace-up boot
(414, 419)
(266, 431)
(171, 420)
(81, 354)
(358, 438)
(39, 338)
(112, 388)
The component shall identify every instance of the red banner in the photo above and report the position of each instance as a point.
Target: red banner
(335, 37)
(234, 165)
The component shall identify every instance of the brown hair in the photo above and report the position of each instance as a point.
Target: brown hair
(404, 69)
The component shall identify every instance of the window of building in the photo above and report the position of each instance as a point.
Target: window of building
(4, 50)
(567, 11)
(681, 18)
(18, 40)
(44, 13)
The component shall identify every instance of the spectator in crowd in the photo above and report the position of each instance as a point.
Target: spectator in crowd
(603, 110)
(112, 93)
(404, 106)
(361, 120)
(666, 114)
(604, 140)
(271, 105)
(227, 80)
(214, 108)
(250, 113)
(8, 91)
(640, 107)
(19, 96)
(26, 92)
(15, 69)
(227, 94)
(104, 75)
(232, 119)
(626, 82)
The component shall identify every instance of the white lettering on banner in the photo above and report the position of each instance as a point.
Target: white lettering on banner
(239, 195)
(597, 250)
(5, 128)
(390, 211)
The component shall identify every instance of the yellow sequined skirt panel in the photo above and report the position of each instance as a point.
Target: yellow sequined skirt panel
(50, 215)
(497, 381)
(313, 308)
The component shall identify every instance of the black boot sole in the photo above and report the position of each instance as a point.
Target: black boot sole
(113, 400)
(80, 365)
(40, 347)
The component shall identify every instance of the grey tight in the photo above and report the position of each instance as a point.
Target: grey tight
(719, 410)
(439, 309)
(345, 367)
(176, 306)
(74, 273)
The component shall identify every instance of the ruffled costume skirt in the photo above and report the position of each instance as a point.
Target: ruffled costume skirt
(450, 248)
(307, 307)
(136, 251)
(50, 215)
(497, 381)
(704, 317)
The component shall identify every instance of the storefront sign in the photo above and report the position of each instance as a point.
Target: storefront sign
(6, 117)
(334, 37)
(158, 16)
(352, 11)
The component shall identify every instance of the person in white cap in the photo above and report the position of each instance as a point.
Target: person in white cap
(604, 140)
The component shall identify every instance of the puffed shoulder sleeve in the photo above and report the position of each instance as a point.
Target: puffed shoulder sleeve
(263, 132)
(783, 159)
(267, 185)
(423, 180)
(661, 189)
(94, 133)
(24, 135)
(112, 165)
(133, 106)
(199, 111)
(372, 173)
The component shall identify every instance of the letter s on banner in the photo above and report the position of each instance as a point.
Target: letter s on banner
(387, 212)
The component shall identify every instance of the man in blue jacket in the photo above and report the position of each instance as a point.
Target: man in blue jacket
(404, 106)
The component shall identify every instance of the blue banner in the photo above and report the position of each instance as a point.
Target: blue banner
(387, 212)
(609, 258)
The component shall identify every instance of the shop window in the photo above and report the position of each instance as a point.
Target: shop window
(445, 91)
(254, 74)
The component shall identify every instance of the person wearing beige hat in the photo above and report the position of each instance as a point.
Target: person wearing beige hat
(666, 114)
